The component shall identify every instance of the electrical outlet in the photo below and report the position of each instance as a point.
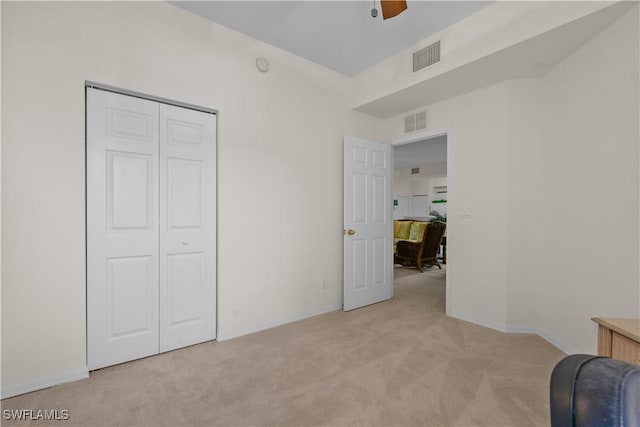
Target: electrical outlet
(324, 284)
(594, 328)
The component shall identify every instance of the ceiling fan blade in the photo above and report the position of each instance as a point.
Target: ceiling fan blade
(391, 8)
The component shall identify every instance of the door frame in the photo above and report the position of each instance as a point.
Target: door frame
(101, 86)
(421, 136)
(109, 88)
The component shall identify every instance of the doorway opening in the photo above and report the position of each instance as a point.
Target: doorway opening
(421, 192)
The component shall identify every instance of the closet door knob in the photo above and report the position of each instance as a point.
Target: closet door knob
(184, 242)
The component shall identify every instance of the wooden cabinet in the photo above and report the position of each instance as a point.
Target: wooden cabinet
(619, 338)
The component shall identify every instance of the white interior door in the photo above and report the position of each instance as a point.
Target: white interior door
(368, 231)
(122, 228)
(187, 227)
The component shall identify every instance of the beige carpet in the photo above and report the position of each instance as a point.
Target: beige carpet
(397, 363)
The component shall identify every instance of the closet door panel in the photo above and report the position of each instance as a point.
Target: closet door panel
(186, 273)
(187, 227)
(130, 284)
(129, 191)
(122, 228)
(185, 194)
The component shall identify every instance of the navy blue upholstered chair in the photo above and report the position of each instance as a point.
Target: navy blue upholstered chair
(594, 391)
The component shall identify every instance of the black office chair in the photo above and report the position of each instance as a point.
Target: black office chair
(594, 391)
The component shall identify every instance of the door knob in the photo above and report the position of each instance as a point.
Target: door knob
(351, 232)
(184, 242)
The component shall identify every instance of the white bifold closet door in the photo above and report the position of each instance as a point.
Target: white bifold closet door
(151, 261)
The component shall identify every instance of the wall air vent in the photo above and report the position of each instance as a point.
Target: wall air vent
(415, 171)
(410, 123)
(426, 56)
(415, 122)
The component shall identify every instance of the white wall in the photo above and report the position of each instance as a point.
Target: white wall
(406, 184)
(524, 204)
(279, 168)
(476, 246)
(401, 187)
(589, 258)
(532, 161)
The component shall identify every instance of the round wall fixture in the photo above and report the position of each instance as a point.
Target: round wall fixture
(262, 64)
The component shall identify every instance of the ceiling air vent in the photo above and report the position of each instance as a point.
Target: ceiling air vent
(426, 56)
(416, 121)
(415, 171)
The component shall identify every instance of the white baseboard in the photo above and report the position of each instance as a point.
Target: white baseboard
(280, 322)
(521, 330)
(517, 330)
(482, 322)
(561, 346)
(66, 377)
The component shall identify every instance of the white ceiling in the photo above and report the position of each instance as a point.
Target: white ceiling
(340, 35)
(428, 151)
